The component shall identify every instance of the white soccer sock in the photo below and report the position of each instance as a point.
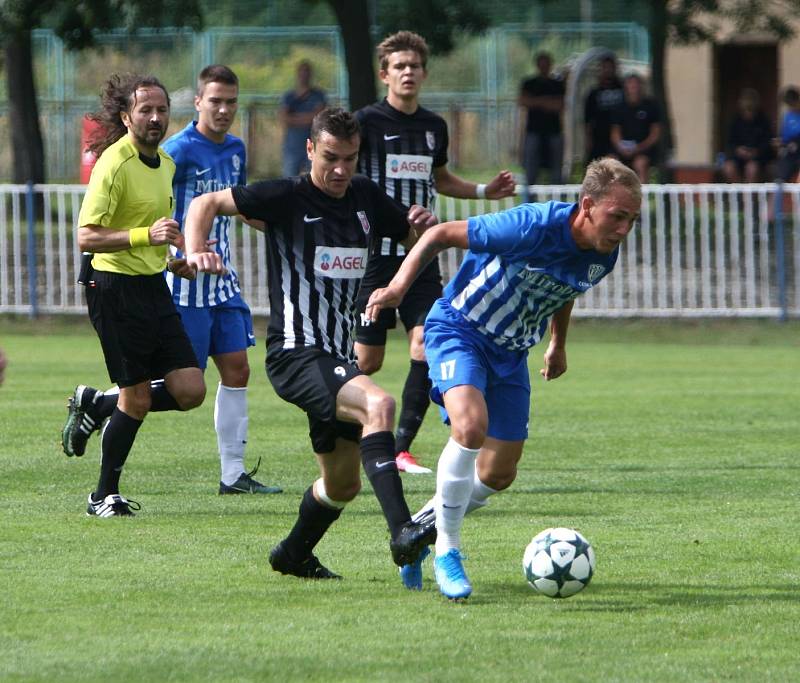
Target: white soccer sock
(480, 494)
(230, 421)
(454, 479)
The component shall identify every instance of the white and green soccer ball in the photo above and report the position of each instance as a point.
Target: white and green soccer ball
(558, 562)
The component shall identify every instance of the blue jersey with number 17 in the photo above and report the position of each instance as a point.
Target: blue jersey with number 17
(521, 267)
(202, 165)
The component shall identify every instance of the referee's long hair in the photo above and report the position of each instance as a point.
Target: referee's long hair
(119, 95)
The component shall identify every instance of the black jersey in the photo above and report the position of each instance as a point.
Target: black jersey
(317, 249)
(399, 152)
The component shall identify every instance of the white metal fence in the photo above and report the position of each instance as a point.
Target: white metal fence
(699, 250)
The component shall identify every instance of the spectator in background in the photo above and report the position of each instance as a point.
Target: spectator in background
(636, 128)
(599, 108)
(298, 109)
(789, 155)
(543, 98)
(749, 138)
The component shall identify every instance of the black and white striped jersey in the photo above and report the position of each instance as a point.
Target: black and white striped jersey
(399, 152)
(317, 249)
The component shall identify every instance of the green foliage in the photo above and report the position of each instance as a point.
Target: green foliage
(440, 21)
(671, 446)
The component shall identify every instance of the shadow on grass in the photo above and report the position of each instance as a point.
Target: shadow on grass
(604, 596)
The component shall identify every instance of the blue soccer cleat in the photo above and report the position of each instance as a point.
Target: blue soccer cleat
(450, 575)
(411, 574)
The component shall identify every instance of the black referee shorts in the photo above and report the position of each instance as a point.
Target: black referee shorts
(414, 308)
(139, 329)
(311, 378)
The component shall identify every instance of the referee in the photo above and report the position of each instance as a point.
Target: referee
(320, 228)
(123, 222)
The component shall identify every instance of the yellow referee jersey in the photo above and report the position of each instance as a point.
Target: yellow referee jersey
(125, 193)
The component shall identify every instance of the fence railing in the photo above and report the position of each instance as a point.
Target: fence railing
(699, 250)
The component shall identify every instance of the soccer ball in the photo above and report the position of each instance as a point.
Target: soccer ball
(558, 562)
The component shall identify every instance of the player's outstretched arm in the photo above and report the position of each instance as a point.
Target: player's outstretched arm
(555, 358)
(447, 183)
(197, 226)
(433, 241)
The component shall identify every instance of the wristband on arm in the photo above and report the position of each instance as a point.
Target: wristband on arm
(480, 190)
(139, 237)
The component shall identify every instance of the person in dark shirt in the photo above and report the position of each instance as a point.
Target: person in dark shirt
(748, 146)
(320, 228)
(601, 103)
(542, 96)
(636, 128)
(298, 108)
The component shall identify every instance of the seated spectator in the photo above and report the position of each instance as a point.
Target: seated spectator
(789, 155)
(601, 102)
(748, 145)
(636, 128)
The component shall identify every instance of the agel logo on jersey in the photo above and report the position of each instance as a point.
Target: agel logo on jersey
(340, 262)
(408, 166)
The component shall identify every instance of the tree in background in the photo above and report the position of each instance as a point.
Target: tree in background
(439, 21)
(74, 23)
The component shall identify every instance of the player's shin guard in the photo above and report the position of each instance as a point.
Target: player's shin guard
(313, 520)
(230, 422)
(377, 456)
(454, 481)
(416, 398)
(115, 444)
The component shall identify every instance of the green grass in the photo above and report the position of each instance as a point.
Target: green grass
(673, 447)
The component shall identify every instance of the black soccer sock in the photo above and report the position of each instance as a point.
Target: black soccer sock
(105, 406)
(416, 398)
(160, 399)
(313, 520)
(117, 439)
(377, 456)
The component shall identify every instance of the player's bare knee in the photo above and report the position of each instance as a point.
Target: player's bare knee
(380, 410)
(370, 366)
(192, 396)
(468, 435)
(344, 491)
(500, 481)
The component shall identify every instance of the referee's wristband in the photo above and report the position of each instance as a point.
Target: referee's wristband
(139, 237)
(480, 190)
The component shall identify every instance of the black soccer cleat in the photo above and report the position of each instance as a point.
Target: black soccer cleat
(246, 484)
(309, 568)
(412, 538)
(113, 505)
(82, 420)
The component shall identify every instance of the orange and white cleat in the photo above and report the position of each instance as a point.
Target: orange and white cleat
(408, 463)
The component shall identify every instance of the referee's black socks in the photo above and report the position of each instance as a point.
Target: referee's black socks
(116, 442)
(416, 398)
(377, 455)
(313, 520)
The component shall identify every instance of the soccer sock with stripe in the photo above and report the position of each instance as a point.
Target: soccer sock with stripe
(414, 404)
(160, 399)
(115, 444)
(377, 456)
(454, 482)
(478, 499)
(313, 520)
(230, 421)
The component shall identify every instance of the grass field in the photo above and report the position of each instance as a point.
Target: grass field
(675, 448)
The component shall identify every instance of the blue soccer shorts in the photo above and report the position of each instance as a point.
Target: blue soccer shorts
(224, 328)
(459, 354)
